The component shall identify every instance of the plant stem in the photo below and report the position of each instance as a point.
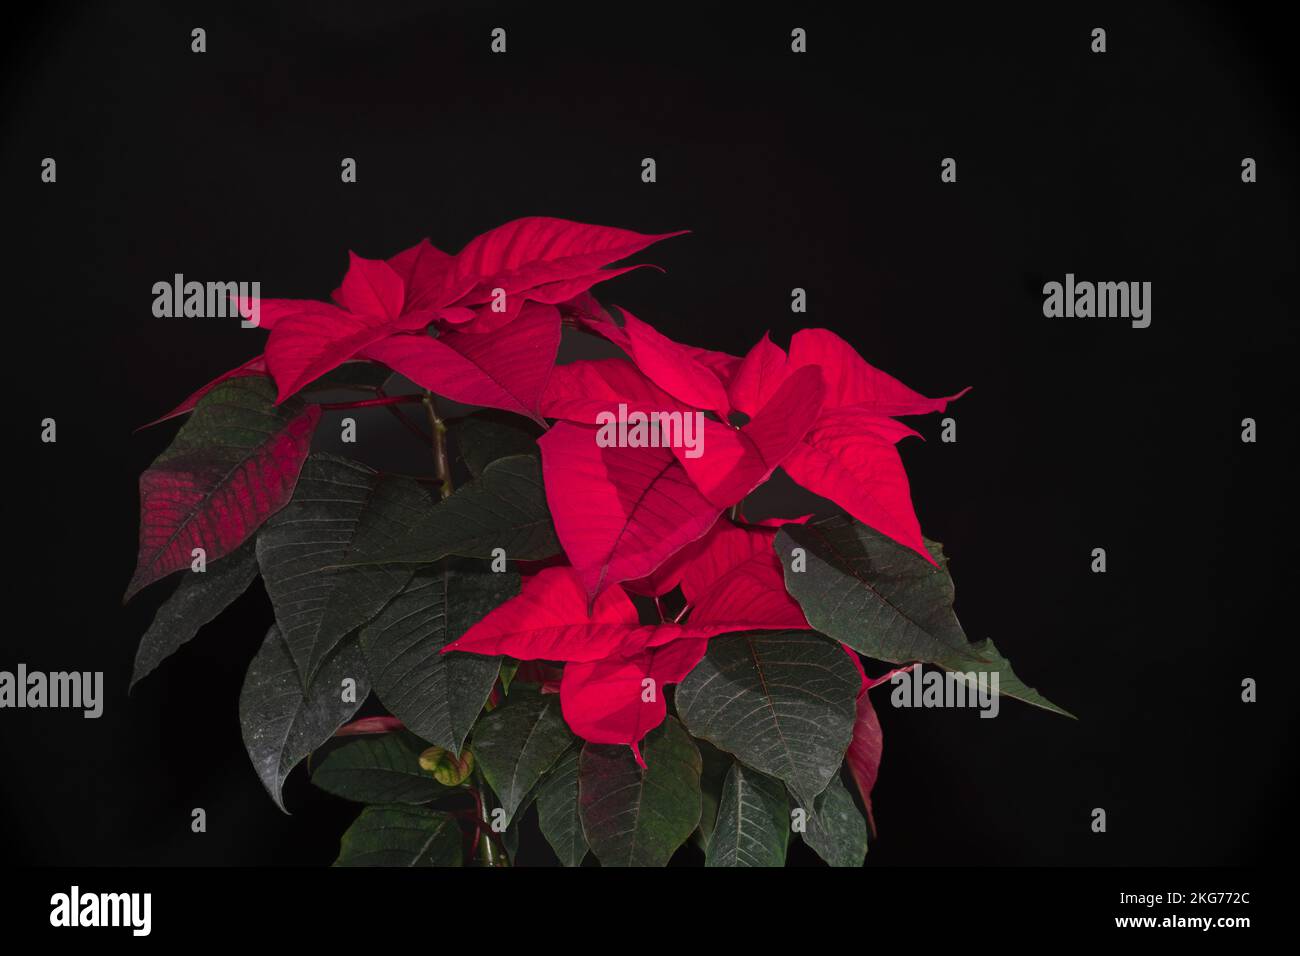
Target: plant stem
(441, 464)
(373, 402)
(487, 853)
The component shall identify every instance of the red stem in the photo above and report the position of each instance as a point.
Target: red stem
(374, 402)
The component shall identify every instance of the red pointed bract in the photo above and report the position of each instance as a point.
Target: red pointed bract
(733, 462)
(508, 369)
(619, 512)
(538, 250)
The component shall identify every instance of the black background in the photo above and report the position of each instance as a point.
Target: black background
(819, 171)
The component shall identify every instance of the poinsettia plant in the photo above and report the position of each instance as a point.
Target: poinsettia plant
(572, 609)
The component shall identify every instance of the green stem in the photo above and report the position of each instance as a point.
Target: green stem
(441, 463)
(487, 853)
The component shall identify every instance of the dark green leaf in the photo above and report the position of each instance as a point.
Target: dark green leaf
(401, 836)
(505, 508)
(872, 593)
(377, 768)
(438, 696)
(197, 600)
(341, 511)
(281, 723)
(835, 828)
(783, 702)
(518, 742)
(1009, 685)
(557, 809)
(753, 824)
(639, 817)
(483, 437)
(717, 764)
(882, 599)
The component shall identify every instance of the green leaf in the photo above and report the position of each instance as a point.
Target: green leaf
(717, 764)
(753, 824)
(518, 742)
(199, 598)
(782, 702)
(835, 828)
(483, 437)
(505, 508)
(557, 809)
(282, 723)
(509, 667)
(377, 768)
(1009, 685)
(438, 696)
(871, 593)
(639, 817)
(341, 511)
(882, 599)
(401, 836)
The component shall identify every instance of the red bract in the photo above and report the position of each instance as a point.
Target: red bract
(619, 512)
(540, 252)
(737, 460)
(867, 745)
(848, 454)
(507, 369)
(821, 412)
(736, 584)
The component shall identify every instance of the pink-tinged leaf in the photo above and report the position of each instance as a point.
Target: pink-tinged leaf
(851, 380)
(370, 725)
(537, 250)
(304, 347)
(582, 390)
(233, 465)
(372, 288)
(867, 745)
(608, 701)
(738, 579)
(254, 366)
(850, 458)
(619, 512)
(428, 276)
(857, 665)
(507, 369)
(736, 461)
(671, 366)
